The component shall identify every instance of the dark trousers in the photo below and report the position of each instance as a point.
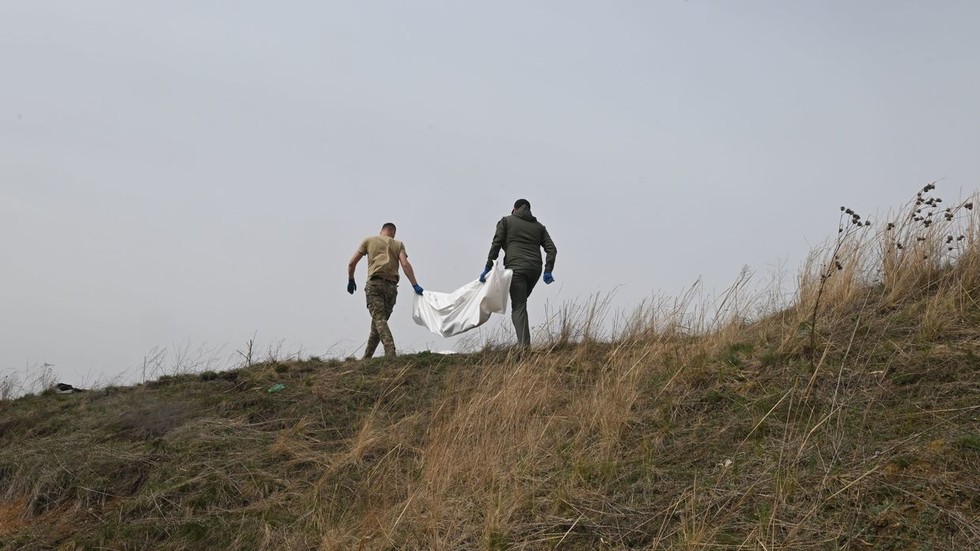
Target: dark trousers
(520, 288)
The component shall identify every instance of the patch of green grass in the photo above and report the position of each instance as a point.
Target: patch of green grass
(764, 404)
(498, 541)
(907, 378)
(771, 358)
(191, 532)
(713, 396)
(969, 443)
(903, 461)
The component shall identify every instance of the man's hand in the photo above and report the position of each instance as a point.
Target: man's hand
(483, 276)
(548, 278)
(418, 289)
(351, 286)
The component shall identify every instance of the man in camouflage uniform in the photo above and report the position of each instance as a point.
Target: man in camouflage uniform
(522, 237)
(385, 254)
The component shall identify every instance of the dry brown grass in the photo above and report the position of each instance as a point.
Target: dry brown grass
(736, 422)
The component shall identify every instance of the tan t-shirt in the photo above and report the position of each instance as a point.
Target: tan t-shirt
(382, 253)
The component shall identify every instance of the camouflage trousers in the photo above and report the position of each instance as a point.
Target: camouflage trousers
(381, 295)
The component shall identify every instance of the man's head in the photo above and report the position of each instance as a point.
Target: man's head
(388, 229)
(521, 203)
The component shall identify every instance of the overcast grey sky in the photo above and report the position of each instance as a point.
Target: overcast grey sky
(201, 171)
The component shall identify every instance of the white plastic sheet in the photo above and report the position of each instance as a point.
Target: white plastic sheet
(470, 306)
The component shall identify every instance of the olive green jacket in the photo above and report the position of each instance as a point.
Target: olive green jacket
(522, 237)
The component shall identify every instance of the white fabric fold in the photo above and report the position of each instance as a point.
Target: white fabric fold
(468, 307)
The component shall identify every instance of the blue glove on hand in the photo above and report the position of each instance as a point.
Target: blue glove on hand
(483, 276)
(548, 278)
(351, 286)
(418, 289)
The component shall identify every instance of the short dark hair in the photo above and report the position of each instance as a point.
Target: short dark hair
(522, 203)
(388, 226)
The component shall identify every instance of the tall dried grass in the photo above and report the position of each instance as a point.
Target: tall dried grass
(689, 423)
(487, 464)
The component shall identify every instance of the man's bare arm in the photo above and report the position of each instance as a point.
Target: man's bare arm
(353, 264)
(407, 267)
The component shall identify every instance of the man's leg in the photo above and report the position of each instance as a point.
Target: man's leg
(390, 292)
(380, 302)
(372, 343)
(520, 288)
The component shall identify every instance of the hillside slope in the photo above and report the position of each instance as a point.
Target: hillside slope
(850, 420)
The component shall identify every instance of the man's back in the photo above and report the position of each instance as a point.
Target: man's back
(382, 253)
(521, 236)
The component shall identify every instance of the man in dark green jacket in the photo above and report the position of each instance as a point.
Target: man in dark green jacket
(522, 237)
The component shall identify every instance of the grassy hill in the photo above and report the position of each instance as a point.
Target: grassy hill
(849, 419)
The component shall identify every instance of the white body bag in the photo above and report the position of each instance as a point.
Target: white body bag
(470, 306)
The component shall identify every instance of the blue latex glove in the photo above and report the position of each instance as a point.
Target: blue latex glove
(351, 286)
(418, 289)
(548, 278)
(483, 276)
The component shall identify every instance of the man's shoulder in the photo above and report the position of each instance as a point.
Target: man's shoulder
(373, 241)
(514, 219)
(384, 241)
(377, 239)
